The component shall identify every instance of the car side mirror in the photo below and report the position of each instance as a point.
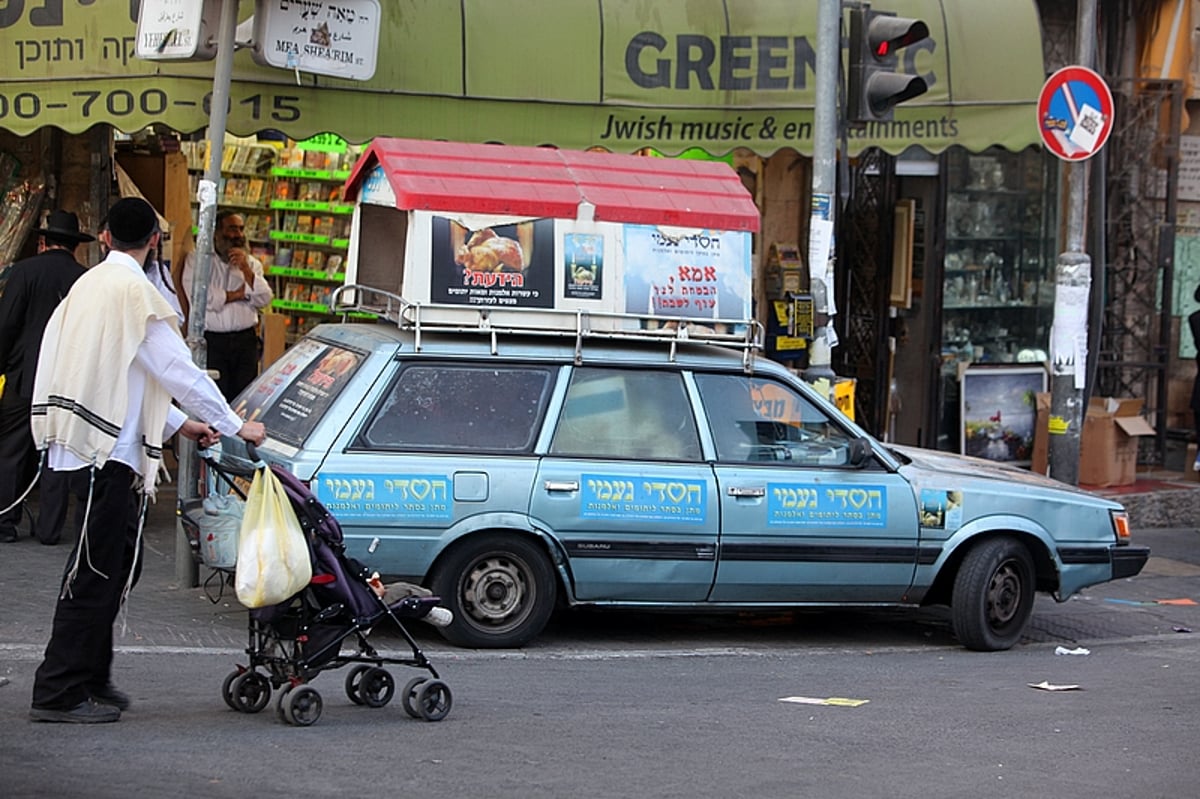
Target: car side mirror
(860, 452)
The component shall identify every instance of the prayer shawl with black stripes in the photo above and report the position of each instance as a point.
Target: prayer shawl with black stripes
(81, 391)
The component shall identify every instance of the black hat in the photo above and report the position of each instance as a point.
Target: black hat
(64, 225)
(132, 219)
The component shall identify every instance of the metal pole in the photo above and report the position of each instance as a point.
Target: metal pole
(185, 567)
(1072, 290)
(824, 184)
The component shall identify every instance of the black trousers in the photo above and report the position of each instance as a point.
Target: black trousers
(18, 456)
(235, 356)
(80, 652)
(55, 490)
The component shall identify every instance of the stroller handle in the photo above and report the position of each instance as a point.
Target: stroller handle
(251, 453)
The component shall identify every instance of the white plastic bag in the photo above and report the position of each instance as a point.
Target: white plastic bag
(273, 558)
(219, 523)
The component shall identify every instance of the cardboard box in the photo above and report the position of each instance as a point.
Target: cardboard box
(1041, 434)
(1109, 445)
(1188, 459)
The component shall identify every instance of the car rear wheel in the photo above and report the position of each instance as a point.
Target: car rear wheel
(993, 595)
(499, 587)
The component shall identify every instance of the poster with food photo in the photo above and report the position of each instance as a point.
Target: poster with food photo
(509, 265)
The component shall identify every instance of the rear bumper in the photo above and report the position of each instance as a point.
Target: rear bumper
(1128, 561)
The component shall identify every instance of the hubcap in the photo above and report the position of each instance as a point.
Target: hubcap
(1004, 594)
(496, 589)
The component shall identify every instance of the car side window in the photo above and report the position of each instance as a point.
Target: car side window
(461, 409)
(626, 413)
(755, 419)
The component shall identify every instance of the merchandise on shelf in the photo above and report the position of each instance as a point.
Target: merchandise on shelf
(296, 222)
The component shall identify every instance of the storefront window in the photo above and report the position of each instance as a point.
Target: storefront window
(998, 271)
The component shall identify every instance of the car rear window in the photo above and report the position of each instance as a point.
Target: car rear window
(294, 393)
(460, 408)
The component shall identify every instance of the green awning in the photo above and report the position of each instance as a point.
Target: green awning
(619, 74)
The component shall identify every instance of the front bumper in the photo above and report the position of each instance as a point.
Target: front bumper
(1128, 561)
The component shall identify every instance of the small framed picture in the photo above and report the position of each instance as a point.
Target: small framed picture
(999, 411)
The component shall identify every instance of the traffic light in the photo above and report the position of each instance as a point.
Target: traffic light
(875, 87)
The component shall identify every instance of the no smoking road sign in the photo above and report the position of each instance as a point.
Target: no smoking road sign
(1075, 113)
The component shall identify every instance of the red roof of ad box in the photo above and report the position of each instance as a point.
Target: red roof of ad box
(507, 180)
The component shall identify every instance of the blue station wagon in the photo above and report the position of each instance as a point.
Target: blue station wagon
(511, 470)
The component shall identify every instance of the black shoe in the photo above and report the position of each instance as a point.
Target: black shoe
(109, 695)
(9, 538)
(50, 543)
(86, 712)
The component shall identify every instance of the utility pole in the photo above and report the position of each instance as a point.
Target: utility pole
(1072, 289)
(185, 566)
(824, 184)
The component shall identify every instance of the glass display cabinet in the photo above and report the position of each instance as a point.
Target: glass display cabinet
(998, 270)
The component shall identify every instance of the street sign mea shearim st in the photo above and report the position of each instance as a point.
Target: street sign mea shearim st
(1075, 113)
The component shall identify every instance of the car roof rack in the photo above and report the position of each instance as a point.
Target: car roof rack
(745, 335)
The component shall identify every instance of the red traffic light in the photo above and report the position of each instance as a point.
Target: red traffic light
(876, 85)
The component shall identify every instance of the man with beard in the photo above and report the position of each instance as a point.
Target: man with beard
(237, 291)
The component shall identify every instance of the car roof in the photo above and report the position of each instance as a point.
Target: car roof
(556, 347)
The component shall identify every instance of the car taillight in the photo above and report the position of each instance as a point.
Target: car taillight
(1120, 522)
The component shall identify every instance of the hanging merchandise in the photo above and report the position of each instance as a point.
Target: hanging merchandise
(18, 211)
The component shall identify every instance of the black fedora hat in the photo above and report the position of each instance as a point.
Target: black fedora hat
(64, 225)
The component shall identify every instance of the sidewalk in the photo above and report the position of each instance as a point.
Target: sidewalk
(1159, 498)
(159, 613)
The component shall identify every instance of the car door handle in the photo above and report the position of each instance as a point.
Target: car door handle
(561, 485)
(739, 491)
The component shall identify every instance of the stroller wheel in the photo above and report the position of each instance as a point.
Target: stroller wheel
(376, 687)
(281, 704)
(434, 700)
(354, 683)
(227, 688)
(410, 694)
(302, 706)
(251, 692)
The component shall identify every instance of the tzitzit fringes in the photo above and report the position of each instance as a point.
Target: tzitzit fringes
(83, 540)
(36, 476)
(137, 553)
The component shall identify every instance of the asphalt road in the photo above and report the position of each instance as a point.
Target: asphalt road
(638, 705)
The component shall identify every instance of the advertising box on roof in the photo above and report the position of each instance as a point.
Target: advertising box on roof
(517, 228)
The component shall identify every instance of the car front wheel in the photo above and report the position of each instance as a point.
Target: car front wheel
(500, 588)
(993, 595)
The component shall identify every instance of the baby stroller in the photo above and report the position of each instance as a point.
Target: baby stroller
(296, 640)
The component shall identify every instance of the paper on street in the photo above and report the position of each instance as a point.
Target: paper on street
(833, 700)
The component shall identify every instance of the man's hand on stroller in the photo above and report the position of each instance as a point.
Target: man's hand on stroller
(199, 432)
(254, 432)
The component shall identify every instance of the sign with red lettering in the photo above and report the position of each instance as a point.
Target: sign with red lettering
(687, 273)
(506, 264)
(1075, 113)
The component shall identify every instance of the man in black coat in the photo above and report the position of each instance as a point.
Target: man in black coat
(34, 288)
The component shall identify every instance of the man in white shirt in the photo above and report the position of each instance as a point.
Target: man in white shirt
(110, 362)
(237, 290)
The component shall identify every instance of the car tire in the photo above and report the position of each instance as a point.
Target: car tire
(993, 595)
(500, 588)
